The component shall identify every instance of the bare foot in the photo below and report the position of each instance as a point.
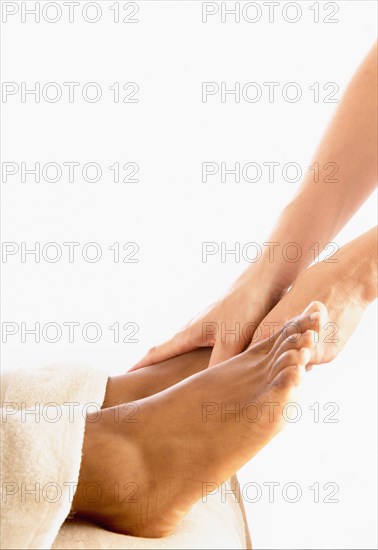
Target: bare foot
(336, 287)
(147, 381)
(185, 437)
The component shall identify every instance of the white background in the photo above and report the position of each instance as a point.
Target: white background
(170, 212)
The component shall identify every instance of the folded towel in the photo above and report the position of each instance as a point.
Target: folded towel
(43, 420)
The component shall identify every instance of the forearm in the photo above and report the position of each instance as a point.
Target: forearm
(322, 207)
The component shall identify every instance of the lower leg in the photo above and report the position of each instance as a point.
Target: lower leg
(149, 380)
(173, 451)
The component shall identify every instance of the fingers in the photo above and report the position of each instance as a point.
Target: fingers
(292, 321)
(307, 339)
(179, 344)
(312, 318)
(309, 320)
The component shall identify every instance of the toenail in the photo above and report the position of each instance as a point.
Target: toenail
(306, 355)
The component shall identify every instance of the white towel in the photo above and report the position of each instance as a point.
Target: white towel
(43, 420)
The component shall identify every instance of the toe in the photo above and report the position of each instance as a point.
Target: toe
(308, 339)
(289, 377)
(293, 332)
(315, 307)
(290, 358)
(313, 318)
(284, 387)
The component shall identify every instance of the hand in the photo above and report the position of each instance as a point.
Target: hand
(345, 283)
(227, 326)
(333, 285)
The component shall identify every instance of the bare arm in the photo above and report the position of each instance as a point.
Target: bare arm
(321, 209)
(316, 214)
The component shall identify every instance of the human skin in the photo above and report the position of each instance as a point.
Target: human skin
(311, 220)
(346, 283)
(347, 286)
(144, 382)
(184, 438)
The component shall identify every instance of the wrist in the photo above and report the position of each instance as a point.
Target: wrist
(263, 279)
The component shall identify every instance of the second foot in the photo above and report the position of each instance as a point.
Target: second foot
(186, 438)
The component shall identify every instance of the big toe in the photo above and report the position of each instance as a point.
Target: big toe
(319, 309)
